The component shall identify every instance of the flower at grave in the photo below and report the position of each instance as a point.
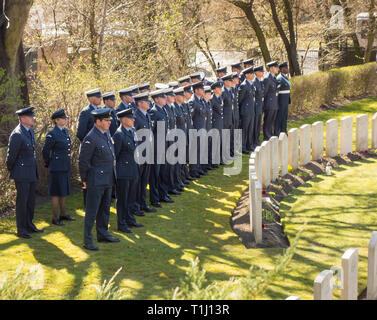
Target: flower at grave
(264, 192)
(366, 151)
(263, 226)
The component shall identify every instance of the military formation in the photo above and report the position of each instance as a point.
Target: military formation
(109, 139)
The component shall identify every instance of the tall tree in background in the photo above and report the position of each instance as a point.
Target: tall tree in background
(290, 44)
(371, 32)
(12, 62)
(247, 8)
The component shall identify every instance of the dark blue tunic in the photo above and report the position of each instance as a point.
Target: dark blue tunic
(57, 157)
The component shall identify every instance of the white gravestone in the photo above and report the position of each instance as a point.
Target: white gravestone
(374, 131)
(293, 298)
(323, 286)
(372, 268)
(362, 132)
(257, 156)
(283, 153)
(266, 164)
(350, 274)
(317, 140)
(274, 144)
(293, 148)
(305, 144)
(332, 138)
(256, 209)
(346, 134)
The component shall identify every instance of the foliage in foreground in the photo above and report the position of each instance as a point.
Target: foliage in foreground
(248, 287)
(28, 285)
(23, 285)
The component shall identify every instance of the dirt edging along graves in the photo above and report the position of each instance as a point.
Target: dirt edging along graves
(272, 229)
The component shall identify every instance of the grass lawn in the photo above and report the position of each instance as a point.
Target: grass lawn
(339, 211)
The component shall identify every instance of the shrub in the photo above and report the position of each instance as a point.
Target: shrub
(312, 91)
(7, 187)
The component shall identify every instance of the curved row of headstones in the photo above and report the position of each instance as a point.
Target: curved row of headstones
(324, 283)
(299, 147)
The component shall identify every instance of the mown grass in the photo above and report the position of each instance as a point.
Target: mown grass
(155, 257)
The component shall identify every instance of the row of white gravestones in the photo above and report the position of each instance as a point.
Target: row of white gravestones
(324, 282)
(307, 143)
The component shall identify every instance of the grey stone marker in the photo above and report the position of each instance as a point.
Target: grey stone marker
(346, 134)
(317, 140)
(374, 131)
(332, 138)
(372, 268)
(323, 286)
(293, 298)
(274, 144)
(283, 153)
(362, 132)
(305, 144)
(293, 148)
(350, 274)
(266, 164)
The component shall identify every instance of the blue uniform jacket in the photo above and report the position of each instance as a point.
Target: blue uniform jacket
(85, 122)
(246, 99)
(227, 96)
(271, 90)
(125, 146)
(217, 112)
(122, 106)
(21, 161)
(96, 159)
(284, 99)
(56, 150)
(198, 112)
(259, 96)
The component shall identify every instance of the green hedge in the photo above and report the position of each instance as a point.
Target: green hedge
(312, 91)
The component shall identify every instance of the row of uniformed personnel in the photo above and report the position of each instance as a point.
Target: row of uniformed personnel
(235, 106)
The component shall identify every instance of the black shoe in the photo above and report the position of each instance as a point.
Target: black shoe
(186, 183)
(125, 230)
(24, 235)
(57, 222)
(180, 189)
(139, 213)
(174, 191)
(148, 209)
(203, 173)
(167, 200)
(245, 152)
(67, 217)
(90, 247)
(109, 239)
(35, 229)
(215, 166)
(156, 204)
(136, 225)
(210, 168)
(190, 178)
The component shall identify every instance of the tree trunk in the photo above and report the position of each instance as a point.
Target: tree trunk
(349, 19)
(247, 8)
(294, 66)
(12, 61)
(371, 32)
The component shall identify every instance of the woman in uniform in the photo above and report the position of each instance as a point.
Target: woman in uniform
(57, 157)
